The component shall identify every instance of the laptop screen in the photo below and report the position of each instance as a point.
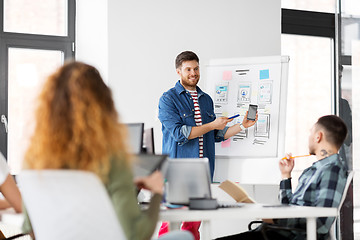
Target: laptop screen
(187, 178)
(135, 131)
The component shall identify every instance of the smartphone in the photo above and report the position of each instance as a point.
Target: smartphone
(252, 112)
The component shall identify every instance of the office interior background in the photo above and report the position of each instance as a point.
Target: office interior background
(134, 43)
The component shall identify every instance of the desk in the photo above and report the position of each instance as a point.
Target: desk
(249, 211)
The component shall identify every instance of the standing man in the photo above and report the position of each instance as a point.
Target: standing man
(189, 125)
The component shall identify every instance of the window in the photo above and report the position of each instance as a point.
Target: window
(350, 25)
(315, 22)
(310, 5)
(36, 17)
(36, 36)
(308, 38)
(356, 136)
(309, 91)
(28, 68)
(350, 7)
(349, 93)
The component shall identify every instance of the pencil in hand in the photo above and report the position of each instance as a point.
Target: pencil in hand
(297, 156)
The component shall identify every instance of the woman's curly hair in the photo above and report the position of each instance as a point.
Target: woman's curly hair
(76, 123)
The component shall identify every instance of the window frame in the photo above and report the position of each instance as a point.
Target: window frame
(8, 40)
(308, 23)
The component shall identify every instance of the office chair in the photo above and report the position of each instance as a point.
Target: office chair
(334, 230)
(67, 205)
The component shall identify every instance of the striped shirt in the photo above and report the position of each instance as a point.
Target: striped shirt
(198, 121)
(320, 185)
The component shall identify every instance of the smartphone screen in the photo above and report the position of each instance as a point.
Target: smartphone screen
(252, 112)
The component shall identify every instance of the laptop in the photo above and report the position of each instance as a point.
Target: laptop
(145, 164)
(189, 178)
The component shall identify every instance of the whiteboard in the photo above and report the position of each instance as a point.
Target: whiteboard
(233, 84)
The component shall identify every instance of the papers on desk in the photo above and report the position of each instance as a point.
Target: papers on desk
(10, 217)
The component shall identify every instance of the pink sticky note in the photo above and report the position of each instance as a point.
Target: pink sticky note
(227, 75)
(226, 143)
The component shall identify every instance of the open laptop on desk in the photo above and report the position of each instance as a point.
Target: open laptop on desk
(189, 178)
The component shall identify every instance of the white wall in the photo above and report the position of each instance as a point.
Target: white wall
(92, 34)
(144, 38)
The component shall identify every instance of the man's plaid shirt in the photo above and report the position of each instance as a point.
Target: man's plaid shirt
(320, 185)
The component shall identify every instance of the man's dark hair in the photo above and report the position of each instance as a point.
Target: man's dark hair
(335, 129)
(185, 56)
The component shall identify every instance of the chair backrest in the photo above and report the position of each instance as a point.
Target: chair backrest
(348, 181)
(335, 228)
(68, 204)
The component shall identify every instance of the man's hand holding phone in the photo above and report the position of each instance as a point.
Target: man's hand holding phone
(240, 127)
(251, 116)
(248, 123)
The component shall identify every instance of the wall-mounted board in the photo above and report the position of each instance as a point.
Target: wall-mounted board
(234, 84)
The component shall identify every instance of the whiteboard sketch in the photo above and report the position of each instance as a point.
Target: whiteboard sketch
(236, 83)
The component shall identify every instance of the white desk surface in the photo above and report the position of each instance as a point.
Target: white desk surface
(246, 212)
(249, 211)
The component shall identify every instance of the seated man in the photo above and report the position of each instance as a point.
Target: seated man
(320, 185)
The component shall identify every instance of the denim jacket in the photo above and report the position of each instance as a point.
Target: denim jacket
(176, 114)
